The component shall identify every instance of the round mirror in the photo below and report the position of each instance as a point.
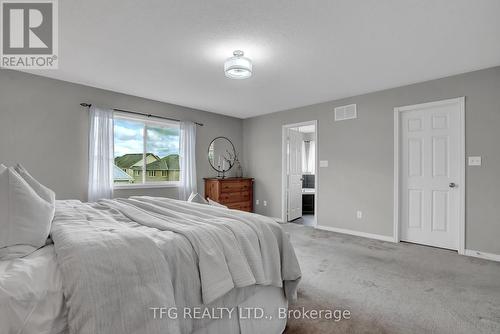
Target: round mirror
(221, 154)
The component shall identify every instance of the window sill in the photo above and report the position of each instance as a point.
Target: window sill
(146, 186)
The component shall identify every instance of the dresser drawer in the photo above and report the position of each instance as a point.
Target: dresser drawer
(232, 197)
(234, 186)
(235, 193)
(243, 206)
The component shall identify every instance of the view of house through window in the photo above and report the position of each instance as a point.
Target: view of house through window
(145, 151)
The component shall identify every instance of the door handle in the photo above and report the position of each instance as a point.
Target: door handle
(452, 185)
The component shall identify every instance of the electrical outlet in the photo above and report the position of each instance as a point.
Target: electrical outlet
(359, 214)
(265, 203)
(256, 202)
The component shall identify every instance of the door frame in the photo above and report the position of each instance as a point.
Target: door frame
(397, 166)
(284, 157)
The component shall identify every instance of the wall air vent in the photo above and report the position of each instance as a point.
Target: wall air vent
(345, 112)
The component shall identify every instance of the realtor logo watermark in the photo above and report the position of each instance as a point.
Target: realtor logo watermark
(29, 36)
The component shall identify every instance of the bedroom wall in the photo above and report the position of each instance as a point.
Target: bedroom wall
(360, 155)
(43, 127)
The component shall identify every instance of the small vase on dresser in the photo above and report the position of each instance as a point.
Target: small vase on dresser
(233, 192)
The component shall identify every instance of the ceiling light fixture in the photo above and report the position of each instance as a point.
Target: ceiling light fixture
(238, 67)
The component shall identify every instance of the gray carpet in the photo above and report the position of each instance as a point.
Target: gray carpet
(306, 220)
(392, 288)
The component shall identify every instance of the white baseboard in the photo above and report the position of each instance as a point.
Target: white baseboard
(356, 233)
(482, 255)
(468, 252)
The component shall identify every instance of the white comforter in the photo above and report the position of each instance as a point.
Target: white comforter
(119, 258)
(31, 297)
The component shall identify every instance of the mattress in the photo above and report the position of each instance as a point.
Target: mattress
(31, 301)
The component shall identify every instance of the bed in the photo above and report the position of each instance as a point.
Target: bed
(151, 265)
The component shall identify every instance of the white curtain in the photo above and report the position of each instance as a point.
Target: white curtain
(100, 154)
(308, 157)
(187, 160)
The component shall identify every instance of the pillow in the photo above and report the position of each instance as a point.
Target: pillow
(25, 217)
(42, 191)
(214, 203)
(15, 252)
(2, 168)
(196, 198)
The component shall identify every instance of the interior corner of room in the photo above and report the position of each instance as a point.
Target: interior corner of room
(356, 159)
(258, 167)
(52, 111)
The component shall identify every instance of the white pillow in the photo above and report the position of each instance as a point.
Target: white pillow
(197, 198)
(47, 194)
(214, 203)
(25, 217)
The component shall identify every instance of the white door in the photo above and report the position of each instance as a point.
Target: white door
(430, 173)
(294, 174)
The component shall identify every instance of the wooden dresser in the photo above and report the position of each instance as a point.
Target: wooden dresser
(233, 192)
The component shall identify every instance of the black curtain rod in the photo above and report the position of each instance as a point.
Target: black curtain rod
(87, 105)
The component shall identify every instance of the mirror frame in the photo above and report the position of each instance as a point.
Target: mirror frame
(208, 151)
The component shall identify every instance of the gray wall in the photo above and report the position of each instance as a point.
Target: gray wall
(43, 127)
(360, 155)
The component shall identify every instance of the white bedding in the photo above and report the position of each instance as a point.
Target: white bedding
(31, 298)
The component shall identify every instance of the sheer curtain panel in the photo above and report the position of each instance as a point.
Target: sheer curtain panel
(187, 150)
(100, 182)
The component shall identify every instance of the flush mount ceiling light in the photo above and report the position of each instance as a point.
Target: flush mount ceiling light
(238, 67)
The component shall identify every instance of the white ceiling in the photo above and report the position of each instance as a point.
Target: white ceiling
(303, 52)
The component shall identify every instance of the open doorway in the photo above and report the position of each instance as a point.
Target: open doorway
(299, 173)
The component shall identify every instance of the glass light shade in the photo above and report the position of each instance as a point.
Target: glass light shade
(238, 67)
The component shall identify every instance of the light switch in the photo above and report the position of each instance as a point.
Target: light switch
(474, 161)
(323, 163)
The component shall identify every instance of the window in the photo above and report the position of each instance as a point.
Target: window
(146, 152)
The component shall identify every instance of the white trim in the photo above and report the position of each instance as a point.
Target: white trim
(151, 185)
(396, 177)
(461, 222)
(147, 123)
(356, 233)
(397, 125)
(283, 173)
(482, 255)
(283, 167)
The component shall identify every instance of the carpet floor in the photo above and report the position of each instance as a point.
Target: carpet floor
(391, 288)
